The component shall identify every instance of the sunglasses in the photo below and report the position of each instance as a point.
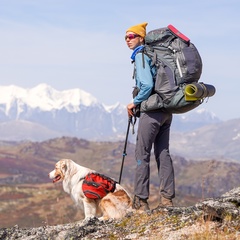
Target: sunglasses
(131, 36)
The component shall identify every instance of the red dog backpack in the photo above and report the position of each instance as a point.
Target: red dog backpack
(97, 186)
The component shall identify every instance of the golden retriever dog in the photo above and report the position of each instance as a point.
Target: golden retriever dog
(114, 205)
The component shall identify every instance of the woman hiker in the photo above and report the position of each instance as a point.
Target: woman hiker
(153, 128)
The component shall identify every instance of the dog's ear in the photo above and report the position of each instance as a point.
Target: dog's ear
(63, 165)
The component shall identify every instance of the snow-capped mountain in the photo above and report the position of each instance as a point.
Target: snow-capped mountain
(43, 112)
(71, 112)
(45, 98)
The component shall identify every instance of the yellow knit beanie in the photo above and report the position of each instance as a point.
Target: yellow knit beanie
(139, 29)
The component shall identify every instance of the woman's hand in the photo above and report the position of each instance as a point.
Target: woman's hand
(130, 108)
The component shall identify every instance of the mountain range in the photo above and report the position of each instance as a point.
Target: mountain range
(42, 113)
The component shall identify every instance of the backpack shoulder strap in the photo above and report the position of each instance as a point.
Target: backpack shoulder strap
(136, 50)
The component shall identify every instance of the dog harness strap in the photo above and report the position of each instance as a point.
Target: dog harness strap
(81, 179)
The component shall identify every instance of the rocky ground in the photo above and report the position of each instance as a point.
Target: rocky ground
(217, 218)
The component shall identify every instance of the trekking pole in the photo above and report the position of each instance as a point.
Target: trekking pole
(125, 146)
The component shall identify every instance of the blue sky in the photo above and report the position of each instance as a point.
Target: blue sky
(80, 44)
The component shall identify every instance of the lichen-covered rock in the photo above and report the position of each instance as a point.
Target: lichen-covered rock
(225, 206)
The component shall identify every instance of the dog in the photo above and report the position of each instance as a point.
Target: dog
(114, 205)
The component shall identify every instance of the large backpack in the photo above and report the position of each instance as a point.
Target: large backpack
(179, 68)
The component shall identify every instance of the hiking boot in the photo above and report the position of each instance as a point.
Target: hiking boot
(165, 202)
(140, 204)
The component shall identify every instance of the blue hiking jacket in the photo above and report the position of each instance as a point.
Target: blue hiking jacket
(143, 77)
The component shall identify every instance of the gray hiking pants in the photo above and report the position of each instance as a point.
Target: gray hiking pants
(154, 129)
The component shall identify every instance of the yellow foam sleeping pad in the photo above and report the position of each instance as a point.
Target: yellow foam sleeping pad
(196, 91)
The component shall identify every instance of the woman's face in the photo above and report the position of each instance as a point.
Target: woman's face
(133, 40)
